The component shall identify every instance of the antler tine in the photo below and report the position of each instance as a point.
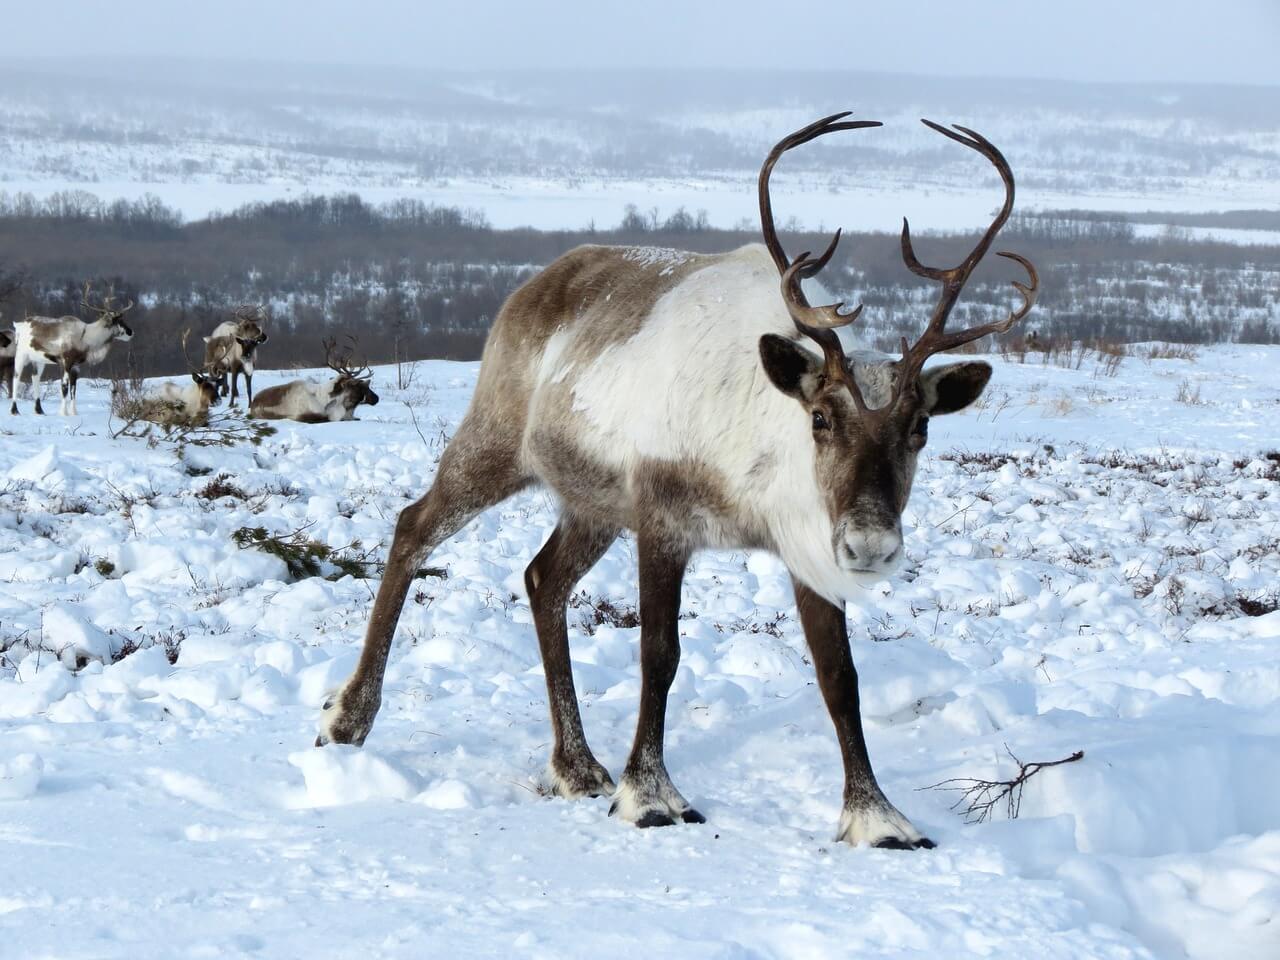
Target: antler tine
(330, 345)
(953, 279)
(356, 373)
(819, 323)
(194, 368)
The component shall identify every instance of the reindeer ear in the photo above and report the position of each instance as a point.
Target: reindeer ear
(790, 367)
(954, 386)
(195, 376)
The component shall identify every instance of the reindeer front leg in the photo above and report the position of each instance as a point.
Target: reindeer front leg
(867, 816)
(70, 377)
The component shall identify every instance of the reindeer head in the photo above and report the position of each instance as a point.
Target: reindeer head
(249, 332)
(352, 383)
(869, 418)
(207, 384)
(111, 316)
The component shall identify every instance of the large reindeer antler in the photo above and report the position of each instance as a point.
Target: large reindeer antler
(339, 361)
(108, 309)
(816, 323)
(935, 339)
(202, 368)
(819, 323)
(246, 312)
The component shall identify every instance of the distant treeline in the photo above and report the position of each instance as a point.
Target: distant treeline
(411, 280)
(1227, 219)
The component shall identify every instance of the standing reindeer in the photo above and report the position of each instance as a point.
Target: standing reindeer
(182, 403)
(8, 347)
(69, 342)
(9, 285)
(230, 350)
(677, 395)
(319, 402)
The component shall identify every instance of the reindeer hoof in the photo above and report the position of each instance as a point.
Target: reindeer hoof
(341, 724)
(659, 806)
(655, 818)
(579, 777)
(881, 826)
(895, 843)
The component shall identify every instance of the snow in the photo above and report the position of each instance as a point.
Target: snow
(1077, 549)
(728, 198)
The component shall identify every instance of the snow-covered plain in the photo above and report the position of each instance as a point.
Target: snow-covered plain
(1080, 546)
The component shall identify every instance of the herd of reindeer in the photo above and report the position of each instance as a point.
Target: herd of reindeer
(230, 352)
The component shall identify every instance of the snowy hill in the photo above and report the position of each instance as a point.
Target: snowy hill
(1091, 562)
(559, 150)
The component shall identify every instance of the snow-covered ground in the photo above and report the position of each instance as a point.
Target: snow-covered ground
(728, 199)
(1083, 552)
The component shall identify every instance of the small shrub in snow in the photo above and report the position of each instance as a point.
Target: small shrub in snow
(1188, 394)
(980, 797)
(601, 611)
(140, 419)
(1167, 351)
(305, 557)
(170, 641)
(219, 487)
(104, 566)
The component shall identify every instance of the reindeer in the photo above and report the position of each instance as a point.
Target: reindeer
(175, 403)
(319, 402)
(69, 342)
(9, 285)
(677, 395)
(229, 351)
(8, 347)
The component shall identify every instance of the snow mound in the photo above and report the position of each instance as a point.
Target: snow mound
(339, 774)
(20, 776)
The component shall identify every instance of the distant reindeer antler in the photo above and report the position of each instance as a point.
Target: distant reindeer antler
(108, 308)
(339, 361)
(246, 312)
(202, 368)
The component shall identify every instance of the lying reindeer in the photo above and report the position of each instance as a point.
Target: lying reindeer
(184, 404)
(318, 402)
(69, 342)
(229, 351)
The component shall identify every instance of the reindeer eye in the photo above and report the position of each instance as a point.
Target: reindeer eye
(819, 421)
(922, 428)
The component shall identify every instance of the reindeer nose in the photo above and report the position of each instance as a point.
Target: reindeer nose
(873, 549)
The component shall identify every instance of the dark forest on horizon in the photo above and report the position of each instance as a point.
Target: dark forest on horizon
(412, 281)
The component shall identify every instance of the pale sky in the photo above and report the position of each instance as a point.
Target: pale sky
(1223, 41)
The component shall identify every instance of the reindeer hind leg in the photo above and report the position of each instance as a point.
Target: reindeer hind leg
(573, 548)
(37, 370)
